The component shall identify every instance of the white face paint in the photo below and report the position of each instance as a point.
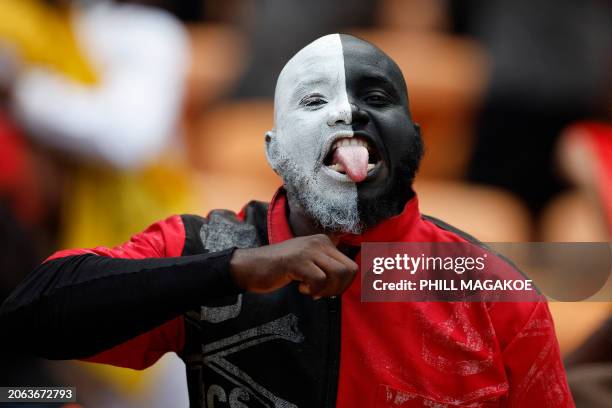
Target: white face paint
(312, 110)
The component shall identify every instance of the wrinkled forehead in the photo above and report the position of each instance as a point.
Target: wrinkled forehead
(336, 58)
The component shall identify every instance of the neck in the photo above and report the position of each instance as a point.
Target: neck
(301, 224)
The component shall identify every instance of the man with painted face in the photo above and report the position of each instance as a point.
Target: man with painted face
(251, 301)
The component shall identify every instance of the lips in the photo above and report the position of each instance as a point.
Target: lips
(352, 156)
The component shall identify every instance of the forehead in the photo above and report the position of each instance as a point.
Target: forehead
(319, 62)
(333, 58)
(364, 60)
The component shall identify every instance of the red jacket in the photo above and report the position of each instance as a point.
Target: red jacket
(284, 349)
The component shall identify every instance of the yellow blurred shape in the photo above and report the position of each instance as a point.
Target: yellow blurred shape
(44, 35)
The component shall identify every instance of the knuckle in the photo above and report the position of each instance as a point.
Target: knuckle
(311, 243)
(319, 278)
(340, 270)
(322, 239)
(309, 254)
(315, 245)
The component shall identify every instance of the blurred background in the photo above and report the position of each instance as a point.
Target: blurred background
(115, 114)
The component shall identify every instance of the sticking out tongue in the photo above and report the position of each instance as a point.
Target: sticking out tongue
(355, 161)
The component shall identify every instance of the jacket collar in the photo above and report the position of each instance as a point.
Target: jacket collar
(389, 230)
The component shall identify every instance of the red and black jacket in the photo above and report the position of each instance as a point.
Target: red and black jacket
(169, 289)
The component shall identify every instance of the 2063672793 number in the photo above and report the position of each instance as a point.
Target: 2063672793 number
(37, 394)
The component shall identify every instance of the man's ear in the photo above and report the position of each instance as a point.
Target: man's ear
(268, 136)
(270, 151)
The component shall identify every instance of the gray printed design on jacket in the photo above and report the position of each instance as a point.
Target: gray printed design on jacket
(220, 314)
(215, 356)
(224, 231)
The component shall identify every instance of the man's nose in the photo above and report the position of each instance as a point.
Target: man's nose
(347, 114)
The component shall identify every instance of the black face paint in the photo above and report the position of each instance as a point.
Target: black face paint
(380, 113)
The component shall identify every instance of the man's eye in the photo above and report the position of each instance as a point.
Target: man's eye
(377, 99)
(313, 101)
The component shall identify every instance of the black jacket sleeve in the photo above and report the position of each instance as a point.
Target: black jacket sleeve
(76, 306)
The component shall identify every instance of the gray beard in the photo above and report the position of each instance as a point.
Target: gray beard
(331, 204)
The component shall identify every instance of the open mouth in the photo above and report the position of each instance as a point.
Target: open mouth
(353, 156)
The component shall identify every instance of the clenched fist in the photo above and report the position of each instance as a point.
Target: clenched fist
(312, 260)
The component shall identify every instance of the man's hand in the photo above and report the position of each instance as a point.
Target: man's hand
(312, 260)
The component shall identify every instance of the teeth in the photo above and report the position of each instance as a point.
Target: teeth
(338, 167)
(350, 141)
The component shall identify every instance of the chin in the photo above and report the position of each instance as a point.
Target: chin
(379, 202)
